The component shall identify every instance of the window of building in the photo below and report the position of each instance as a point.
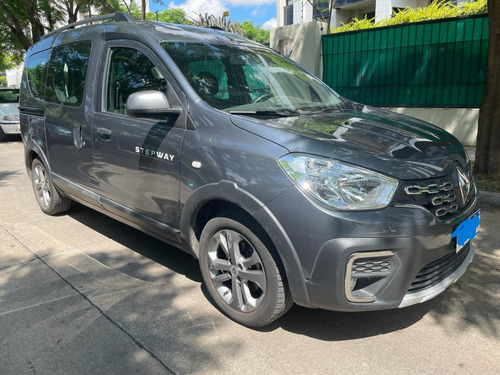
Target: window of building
(320, 9)
(288, 15)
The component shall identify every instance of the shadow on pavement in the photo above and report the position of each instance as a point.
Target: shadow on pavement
(141, 243)
(340, 326)
(4, 175)
(320, 324)
(475, 297)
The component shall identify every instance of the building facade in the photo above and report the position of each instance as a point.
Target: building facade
(299, 11)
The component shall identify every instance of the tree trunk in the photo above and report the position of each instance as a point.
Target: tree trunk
(37, 29)
(72, 9)
(488, 137)
(143, 10)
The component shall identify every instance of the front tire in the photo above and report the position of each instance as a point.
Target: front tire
(242, 272)
(47, 196)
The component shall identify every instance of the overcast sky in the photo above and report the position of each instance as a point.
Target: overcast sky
(261, 12)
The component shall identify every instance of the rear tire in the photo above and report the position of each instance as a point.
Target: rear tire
(242, 271)
(47, 196)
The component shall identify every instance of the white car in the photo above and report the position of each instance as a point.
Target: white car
(9, 113)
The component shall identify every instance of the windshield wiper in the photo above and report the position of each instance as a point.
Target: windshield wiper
(265, 112)
(317, 111)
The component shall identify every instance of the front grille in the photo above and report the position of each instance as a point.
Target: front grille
(444, 196)
(438, 270)
(437, 196)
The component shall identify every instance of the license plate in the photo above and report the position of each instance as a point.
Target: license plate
(467, 230)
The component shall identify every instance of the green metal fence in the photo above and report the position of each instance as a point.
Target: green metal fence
(428, 64)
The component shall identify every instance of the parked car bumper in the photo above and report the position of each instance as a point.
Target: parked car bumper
(11, 128)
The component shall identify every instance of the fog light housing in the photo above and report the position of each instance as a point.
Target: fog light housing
(366, 274)
(354, 281)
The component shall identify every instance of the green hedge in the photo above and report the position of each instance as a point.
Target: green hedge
(438, 9)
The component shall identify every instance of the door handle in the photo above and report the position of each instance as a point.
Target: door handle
(78, 136)
(104, 134)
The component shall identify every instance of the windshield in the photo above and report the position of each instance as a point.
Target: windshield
(9, 96)
(240, 79)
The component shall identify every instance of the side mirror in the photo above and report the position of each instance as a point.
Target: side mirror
(150, 103)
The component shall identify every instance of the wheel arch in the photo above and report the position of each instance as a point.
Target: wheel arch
(31, 152)
(213, 200)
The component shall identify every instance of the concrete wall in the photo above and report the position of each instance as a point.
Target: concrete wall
(461, 122)
(14, 76)
(301, 43)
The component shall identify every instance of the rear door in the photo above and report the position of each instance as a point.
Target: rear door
(137, 159)
(67, 121)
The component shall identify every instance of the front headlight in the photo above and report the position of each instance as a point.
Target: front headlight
(10, 118)
(338, 184)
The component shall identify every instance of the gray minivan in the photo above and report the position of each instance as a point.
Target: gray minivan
(285, 191)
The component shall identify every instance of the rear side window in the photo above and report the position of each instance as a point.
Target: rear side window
(36, 72)
(67, 73)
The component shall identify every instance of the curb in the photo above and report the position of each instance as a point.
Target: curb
(489, 199)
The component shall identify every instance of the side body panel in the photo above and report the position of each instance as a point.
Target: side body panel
(137, 160)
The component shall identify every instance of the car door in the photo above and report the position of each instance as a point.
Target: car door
(137, 159)
(67, 120)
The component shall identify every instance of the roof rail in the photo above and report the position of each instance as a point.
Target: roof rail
(117, 17)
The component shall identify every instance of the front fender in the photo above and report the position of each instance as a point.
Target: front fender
(230, 192)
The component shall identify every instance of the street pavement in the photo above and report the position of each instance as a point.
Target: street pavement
(81, 293)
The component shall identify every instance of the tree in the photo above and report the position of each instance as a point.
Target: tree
(41, 16)
(168, 15)
(14, 18)
(7, 62)
(254, 32)
(209, 20)
(324, 11)
(488, 138)
(72, 9)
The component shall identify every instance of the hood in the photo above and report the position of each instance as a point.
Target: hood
(384, 141)
(9, 109)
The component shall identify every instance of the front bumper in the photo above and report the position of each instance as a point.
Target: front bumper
(11, 128)
(397, 257)
(394, 273)
(451, 276)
